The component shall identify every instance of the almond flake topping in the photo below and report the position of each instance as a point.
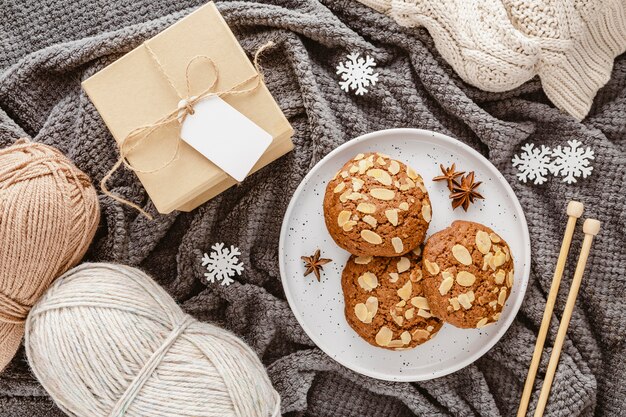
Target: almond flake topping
(502, 296)
(465, 278)
(384, 336)
(404, 264)
(372, 305)
(421, 334)
(426, 212)
(347, 226)
(392, 216)
(461, 254)
(499, 276)
(420, 302)
(357, 184)
(362, 260)
(482, 322)
(361, 313)
(397, 244)
(371, 237)
(380, 175)
(368, 281)
(367, 208)
(424, 313)
(483, 243)
(394, 167)
(339, 187)
(382, 194)
(405, 292)
(431, 267)
(370, 220)
(354, 196)
(445, 285)
(343, 217)
(464, 301)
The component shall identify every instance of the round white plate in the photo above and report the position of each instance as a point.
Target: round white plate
(319, 306)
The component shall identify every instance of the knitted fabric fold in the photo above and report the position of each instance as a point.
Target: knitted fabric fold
(45, 52)
(499, 45)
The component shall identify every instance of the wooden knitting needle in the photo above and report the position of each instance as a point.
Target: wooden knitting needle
(591, 227)
(574, 211)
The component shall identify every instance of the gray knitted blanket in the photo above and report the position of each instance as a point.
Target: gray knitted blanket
(47, 49)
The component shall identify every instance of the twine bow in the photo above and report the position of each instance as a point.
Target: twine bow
(185, 108)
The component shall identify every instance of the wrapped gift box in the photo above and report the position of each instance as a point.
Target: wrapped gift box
(133, 92)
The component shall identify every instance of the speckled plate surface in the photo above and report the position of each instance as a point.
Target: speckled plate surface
(319, 306)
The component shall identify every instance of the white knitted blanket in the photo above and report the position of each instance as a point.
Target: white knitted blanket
(497, 45)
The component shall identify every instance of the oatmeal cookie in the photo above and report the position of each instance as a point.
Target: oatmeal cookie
(377, 206)
(384, 301)
(468, 274)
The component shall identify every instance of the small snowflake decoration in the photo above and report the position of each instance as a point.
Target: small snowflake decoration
(533, 163)
(572, 161)
(357, 73)
(222, 264)
(569, 162)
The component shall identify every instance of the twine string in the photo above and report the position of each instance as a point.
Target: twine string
(138, 135)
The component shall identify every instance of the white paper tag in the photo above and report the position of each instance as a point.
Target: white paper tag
(225, 136)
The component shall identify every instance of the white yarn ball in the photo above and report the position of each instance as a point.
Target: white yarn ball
(106, 340)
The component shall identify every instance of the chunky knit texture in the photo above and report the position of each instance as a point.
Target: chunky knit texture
(47, 50)
(499, 45)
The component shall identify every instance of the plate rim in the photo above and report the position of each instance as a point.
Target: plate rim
(504, 327)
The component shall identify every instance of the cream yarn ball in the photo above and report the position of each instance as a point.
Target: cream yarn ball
(106, 340)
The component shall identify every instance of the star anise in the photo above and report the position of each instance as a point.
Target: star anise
(449, 175)
(314, 264)
(464, 193)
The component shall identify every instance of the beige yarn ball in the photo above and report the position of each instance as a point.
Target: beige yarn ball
(106, 340)
(49, 214)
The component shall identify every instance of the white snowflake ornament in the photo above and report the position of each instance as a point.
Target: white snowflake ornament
(534, 163)
(357, 73)
(572, 161)
(222, 264)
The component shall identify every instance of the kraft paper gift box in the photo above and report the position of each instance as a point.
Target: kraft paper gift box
(133, 92)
